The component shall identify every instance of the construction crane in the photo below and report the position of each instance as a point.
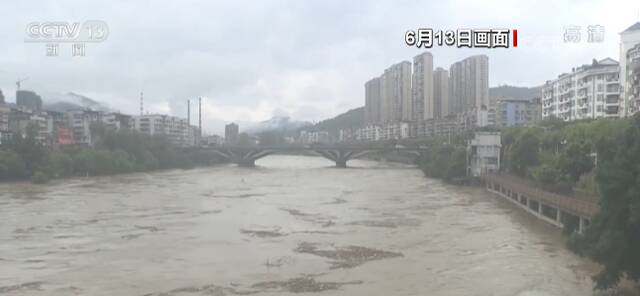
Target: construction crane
(20, 81)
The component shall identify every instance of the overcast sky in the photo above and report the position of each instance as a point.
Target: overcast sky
(250, 60)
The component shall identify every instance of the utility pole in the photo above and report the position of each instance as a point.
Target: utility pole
(200, 115)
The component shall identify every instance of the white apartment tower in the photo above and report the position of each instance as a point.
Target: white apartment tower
(469, 83)
(422, 90)
(372, 94)
(589, 91)
(628, 39)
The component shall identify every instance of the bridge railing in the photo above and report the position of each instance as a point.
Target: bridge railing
(582, 207)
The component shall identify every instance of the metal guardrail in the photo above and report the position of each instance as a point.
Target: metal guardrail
(576, 206)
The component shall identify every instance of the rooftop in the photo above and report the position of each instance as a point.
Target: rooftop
(634, 27)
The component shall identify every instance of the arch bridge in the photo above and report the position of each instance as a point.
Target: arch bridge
(246, 156)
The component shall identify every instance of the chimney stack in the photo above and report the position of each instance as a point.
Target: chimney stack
(188, 112)
(141, 104)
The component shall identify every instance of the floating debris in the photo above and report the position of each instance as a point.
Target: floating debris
(21, 287)
(263, 233)
(302, 285)
(387, 223)
(346, 257)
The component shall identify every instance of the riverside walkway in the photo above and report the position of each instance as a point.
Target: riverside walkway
(560, 210)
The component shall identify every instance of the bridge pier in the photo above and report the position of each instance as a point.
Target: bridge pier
(247, 163)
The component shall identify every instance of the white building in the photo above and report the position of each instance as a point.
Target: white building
(423, 104)
(629, 38)
(396, 93)
(5, 111)
(174, 129)
(368, 133)
(314, 137)
(117, 121)
(395, 131)
(589, 91)
(632, 87)
(483, 154)
(80, 123)
(373, 101)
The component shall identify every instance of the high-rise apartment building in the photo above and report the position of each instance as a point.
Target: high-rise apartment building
(469, 83)
(589, 91)
(629, 38)
(372, 95)
(29, 100)
(396, 93)
(442, 104)
(423, 105)
(231, 132)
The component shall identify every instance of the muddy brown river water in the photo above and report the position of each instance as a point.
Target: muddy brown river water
(292, 225)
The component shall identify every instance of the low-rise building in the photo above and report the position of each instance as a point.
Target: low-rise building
(5, 112)
(174, 129)
(212, 140)
(483, 154)
(80, 122)
(369, 133)
(117, 121)
(347, 135)
(314, 137)
(395, 131)
(513, 112)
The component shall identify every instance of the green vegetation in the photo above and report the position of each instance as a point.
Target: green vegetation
(600, 157)
(444, 161)
(558, 155)
(114, 152)
(613, 238)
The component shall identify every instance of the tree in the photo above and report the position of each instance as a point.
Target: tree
(270, 138)
(523, 153)
(613, 238)
(12, 167)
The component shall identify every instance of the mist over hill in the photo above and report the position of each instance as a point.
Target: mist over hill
(71, 101)
(353, 118)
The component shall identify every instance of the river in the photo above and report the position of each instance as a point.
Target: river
(291, 225)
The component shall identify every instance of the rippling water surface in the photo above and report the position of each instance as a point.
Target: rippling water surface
(292, 225)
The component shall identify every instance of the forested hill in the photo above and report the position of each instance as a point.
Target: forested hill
(353, 118)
